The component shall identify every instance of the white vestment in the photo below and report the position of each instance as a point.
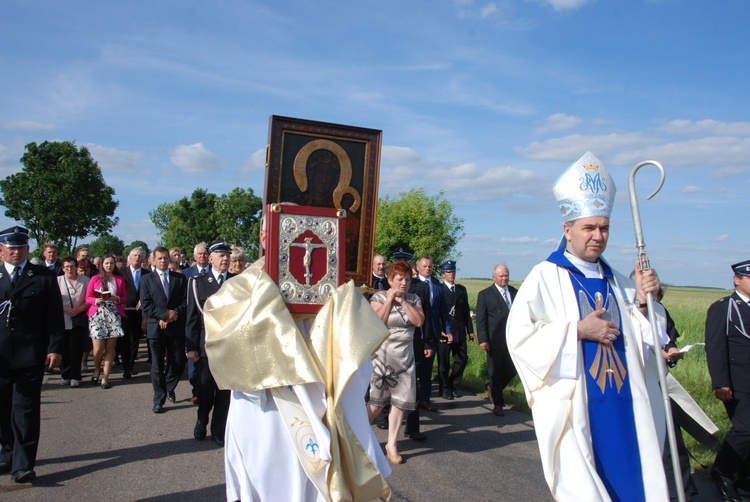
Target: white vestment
(543, 311)
(261, 462)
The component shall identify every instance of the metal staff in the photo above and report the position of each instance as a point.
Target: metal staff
(643, 266)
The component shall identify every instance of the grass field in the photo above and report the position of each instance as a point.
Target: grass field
(687, 306)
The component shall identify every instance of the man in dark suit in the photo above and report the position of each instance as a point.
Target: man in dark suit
(728, 357)
(50, 259)
(441, 325)
(210, 397)
(31, 337)
(133, 273)
(493, 306)
(164, 303)
(457, 301)
(200, 255)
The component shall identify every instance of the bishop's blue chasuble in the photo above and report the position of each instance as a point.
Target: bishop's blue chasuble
(610, 401)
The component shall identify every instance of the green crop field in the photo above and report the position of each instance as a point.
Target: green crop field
(687, 306)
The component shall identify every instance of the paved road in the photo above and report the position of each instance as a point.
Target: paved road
(107, 445)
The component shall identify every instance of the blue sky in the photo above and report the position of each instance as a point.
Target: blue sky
(487, 100)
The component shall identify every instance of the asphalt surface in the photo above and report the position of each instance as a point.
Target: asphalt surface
(99, 444)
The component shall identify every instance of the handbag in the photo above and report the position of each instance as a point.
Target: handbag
(81, 320)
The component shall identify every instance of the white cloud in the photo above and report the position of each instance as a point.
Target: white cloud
(27, 125)
(112, 160)
(488, 10)
(708, 126)
(722, 238)
(565, 4)
(195, 159)
(559, 122)
(466, 181)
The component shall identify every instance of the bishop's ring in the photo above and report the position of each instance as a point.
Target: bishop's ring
(612, 337)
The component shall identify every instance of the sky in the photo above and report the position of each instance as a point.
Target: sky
(487, 101)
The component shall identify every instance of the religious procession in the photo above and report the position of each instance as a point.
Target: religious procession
(296, 361)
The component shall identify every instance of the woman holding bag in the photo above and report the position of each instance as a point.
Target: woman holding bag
(73, 292)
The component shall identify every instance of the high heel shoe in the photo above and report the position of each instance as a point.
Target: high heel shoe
(393, 459)
(94, 380)
(105, 384)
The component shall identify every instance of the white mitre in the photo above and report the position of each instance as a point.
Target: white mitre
(585, 189)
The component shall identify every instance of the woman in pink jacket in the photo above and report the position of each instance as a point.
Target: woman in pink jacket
(106, 294)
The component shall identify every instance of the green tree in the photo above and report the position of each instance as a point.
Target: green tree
(416, 221)
(187, 221)
(135, 244)
(107, 243)
(238, 216)
(60, 194)
(205, 217)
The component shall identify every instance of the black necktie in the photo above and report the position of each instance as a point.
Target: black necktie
(221, 279)
(16, 275)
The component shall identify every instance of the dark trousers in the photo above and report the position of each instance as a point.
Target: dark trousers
(128, 344)
(501, 371)
(70, 367)
(451, 379)
(20, 405)
(210, 397)
(165, 379)
(424, 377)
(412, 417)
(732, 459)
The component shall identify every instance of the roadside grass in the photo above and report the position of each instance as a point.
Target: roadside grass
(688, 307)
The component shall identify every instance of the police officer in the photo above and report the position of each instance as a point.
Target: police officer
(728, 357)
(31, 338)
(457, 300)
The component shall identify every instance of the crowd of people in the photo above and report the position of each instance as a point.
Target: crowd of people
(580, 336)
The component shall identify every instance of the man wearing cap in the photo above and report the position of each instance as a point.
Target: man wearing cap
(584, 349)
(31, 338)
(457, 301)
(728, 357)
(164, 301)
(210, 397)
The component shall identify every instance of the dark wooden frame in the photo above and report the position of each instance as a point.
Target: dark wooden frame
(291, 140)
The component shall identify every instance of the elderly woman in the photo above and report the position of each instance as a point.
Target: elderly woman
(394, 377)
(106, 293)
(237, 260)
(73, 292)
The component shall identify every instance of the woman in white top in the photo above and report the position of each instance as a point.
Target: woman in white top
(73, 291)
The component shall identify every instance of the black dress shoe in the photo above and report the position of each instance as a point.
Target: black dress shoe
(24, 476)
(416, 436)
(427, 406)
(127, 375)
(199, 432)
(725, 485)
(448, 395)
(170, 396)
(219, 441)
(4, 467)
(382, 424)
(158, 408)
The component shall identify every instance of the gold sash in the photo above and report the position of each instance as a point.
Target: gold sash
(254, 344)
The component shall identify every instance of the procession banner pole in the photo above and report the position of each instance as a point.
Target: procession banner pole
(643, 265)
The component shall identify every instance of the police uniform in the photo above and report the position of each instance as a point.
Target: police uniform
(457, 301)
(728, 357)
(31, 335)
(210, 397)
